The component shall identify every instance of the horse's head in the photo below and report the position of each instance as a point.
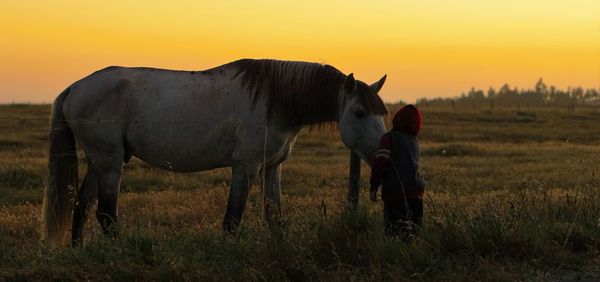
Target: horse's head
(361, 116)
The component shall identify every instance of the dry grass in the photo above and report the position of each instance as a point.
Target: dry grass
(511, 196)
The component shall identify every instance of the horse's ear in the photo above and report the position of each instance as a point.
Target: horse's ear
(377, 85)
(349, 83)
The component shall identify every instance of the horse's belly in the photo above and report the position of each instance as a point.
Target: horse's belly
(184, 163)
(184, 159)
(187, 148)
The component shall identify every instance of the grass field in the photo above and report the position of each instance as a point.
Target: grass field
(511, 195)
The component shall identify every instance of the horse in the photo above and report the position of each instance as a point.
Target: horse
(245, 114)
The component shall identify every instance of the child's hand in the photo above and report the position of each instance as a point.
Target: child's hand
(373, 196)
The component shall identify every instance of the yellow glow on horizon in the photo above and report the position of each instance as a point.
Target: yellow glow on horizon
(427, 48)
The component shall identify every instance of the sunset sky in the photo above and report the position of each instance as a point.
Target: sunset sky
(427, 48)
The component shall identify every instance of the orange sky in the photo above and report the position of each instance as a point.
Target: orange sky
(427, 48)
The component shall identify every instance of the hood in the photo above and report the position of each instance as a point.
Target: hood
(407, 120)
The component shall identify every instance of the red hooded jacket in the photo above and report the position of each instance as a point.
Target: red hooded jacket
(407, 120)
(406, 125)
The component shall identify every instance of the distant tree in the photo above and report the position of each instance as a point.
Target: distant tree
(541, 94)
(476, 95)
(504, 90)
(577, 94)
(491, 93)
(540, 87)
(542, 90)
(591, 95)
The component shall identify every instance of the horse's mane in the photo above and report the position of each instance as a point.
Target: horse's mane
(305, 93)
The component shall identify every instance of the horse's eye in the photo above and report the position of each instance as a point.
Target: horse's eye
(359, 114)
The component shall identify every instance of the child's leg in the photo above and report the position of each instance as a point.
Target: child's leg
(415, 216)
(397, 218)
(394, 213)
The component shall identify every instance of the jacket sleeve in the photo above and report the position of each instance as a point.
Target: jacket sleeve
(381, 161)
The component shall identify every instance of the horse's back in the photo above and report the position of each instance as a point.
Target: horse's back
(174, 119)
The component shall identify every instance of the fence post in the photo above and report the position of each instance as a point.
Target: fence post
(353, 180)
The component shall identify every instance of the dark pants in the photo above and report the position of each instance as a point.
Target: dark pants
(403, 218)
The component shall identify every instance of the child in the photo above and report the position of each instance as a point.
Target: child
(396, 168)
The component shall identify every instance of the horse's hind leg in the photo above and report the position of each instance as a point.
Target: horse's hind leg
(242, 178)
(109, 169)
(87, 193)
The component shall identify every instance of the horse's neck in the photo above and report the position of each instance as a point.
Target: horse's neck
(322, 112)
(318, 120)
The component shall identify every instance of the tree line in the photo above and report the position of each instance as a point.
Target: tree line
(507, 96)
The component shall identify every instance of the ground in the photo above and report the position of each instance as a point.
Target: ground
(511, 195)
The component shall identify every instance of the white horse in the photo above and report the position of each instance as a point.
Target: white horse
(245, 114)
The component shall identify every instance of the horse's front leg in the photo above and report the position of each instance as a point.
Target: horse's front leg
(272, 194)
(242, 178)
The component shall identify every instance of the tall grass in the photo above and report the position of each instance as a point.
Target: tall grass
(506, 200)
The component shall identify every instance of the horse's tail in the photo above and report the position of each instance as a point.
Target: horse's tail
(58, 205)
